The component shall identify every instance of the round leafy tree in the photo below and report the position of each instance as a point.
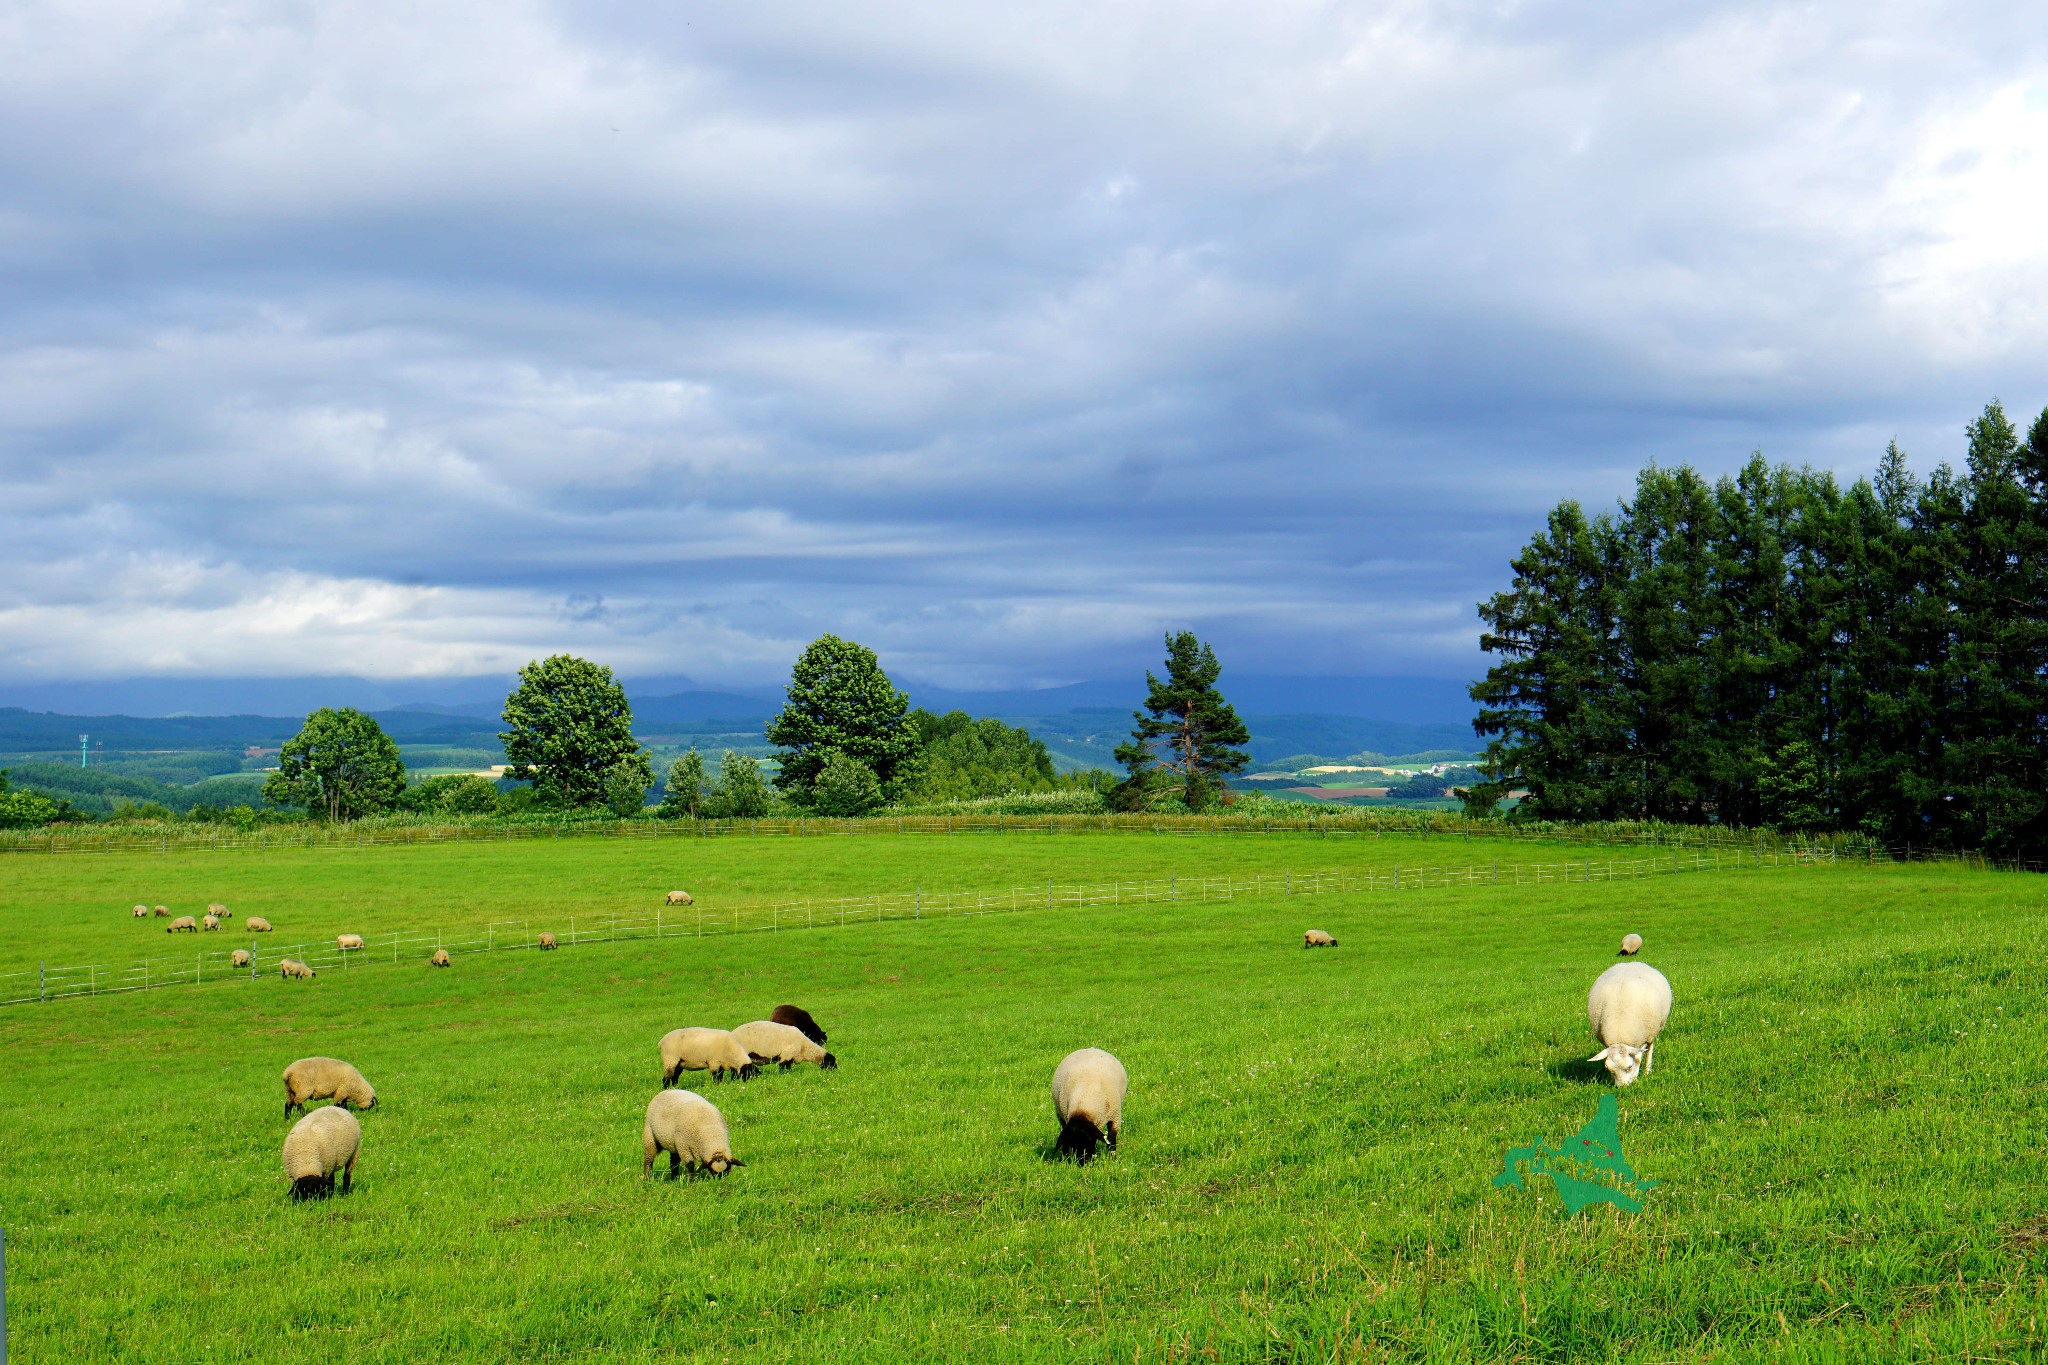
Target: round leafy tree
(840, 701)
(338, 766)
(845, 786)
(568, 730)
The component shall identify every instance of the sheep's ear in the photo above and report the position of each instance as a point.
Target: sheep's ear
(1601, 1055)
(737, 1162)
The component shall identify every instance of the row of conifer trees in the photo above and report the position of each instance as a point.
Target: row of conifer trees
(1774, 649)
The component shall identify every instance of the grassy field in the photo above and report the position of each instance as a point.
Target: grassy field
(1845, 1120)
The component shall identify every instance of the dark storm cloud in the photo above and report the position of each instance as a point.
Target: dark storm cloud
(404, 342)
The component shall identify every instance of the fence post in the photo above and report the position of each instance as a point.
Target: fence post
(920, 903)
(1048, 893)
(3, 1296)
(1287, 881)
(42, 984)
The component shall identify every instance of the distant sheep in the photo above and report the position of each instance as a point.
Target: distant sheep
(680, 898)
(239, 958)
(691, 1130)
(348, 943)
(163, 910)
(1627, 1007)
(1317, 938)
(799, 1019)
(210, 923)
(290, 968)
(1631, 944)
(325, 1141)
(256, 924)
(547, 943)
(216, 908)
(441, 958)
(766, 1041)
(183, 924)
(141, 912)
(325, 1078)
(1088, 1091)
(704, 1049)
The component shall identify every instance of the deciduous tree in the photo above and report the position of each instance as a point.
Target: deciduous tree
(340, 765)
(568, 727)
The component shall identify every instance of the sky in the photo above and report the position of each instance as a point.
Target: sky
(413, 342)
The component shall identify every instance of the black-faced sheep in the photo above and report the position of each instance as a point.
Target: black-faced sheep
(1088, 1091)
(348, 943)
(256, 924)
(547, 943)
(440, 958)
(141, 912)
(767, 1041)
(1317, 938)
(325, 1078)
(163, 911)
(239, 958)
(704, 1049)
(217, 909)
(291, 969)
(183, 924)
(691, 1130)
(1627, 1007)
(799, 1019)
(210, 923)
(1631, 944)
(325, 1141)
(680, 898)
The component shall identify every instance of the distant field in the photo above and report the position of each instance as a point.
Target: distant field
(1845, 1118)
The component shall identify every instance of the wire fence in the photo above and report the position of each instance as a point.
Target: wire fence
(215, 963)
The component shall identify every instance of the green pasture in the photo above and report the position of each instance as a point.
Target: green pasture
(1845, 1120)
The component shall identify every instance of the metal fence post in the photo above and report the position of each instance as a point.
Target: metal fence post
(3, 1296)
(42, 983)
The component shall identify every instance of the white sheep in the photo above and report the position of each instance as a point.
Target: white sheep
(325, 1141)
(256, 924)
(216, 908)
(440, 958)
(183, 924)
(767, 1041)
(680, 898)
(1088, 1091)
(210, 923)
(325, 1078)
(163, 911)
(704, 1049)
(1631, 944)
(547, 943)
(691, 1130)
(291, 968)
(348, 943)
(239, 958)
(1318, 938)
(1627, 1008)
(141, 912)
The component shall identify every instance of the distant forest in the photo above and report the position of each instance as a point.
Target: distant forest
(1773, 649)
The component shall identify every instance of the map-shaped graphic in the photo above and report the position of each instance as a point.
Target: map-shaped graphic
(1586, 1169)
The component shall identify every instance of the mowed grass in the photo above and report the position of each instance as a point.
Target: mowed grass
(1845, 1120)
(81, 903)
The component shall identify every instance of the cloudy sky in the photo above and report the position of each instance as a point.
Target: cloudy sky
(409, 341)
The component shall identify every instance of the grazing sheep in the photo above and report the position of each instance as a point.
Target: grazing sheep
(290, 968)
(325, 1078)
(323, 1142)
(1317, 938)
(440, 958)
(1631, 944)
(766, 1041)
(1088, 1099)
(704, 1049)
(210, 923)
(348, 943)
(1627, 1008)
(142, 912)
(163, 910)
(256, 924)
(799, 1019)
(239, 958)
(547, 943)
(691, 1130)
(183, 924)
(216, 908)
(680, 898)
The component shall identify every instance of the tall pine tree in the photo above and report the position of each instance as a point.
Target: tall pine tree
(1185, 742)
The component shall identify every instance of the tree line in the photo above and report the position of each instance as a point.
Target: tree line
(1774, 649)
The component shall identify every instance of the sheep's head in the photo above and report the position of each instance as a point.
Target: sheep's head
(1624, 1061)
(830, 1063)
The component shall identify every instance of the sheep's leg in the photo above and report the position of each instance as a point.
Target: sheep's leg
(1110, 1133)
(1649, 1057)
(348, 1174)
(787, 1065)
(675, 1165)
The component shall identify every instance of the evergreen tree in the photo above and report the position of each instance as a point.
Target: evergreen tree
(840, 701)
(1185, 741)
